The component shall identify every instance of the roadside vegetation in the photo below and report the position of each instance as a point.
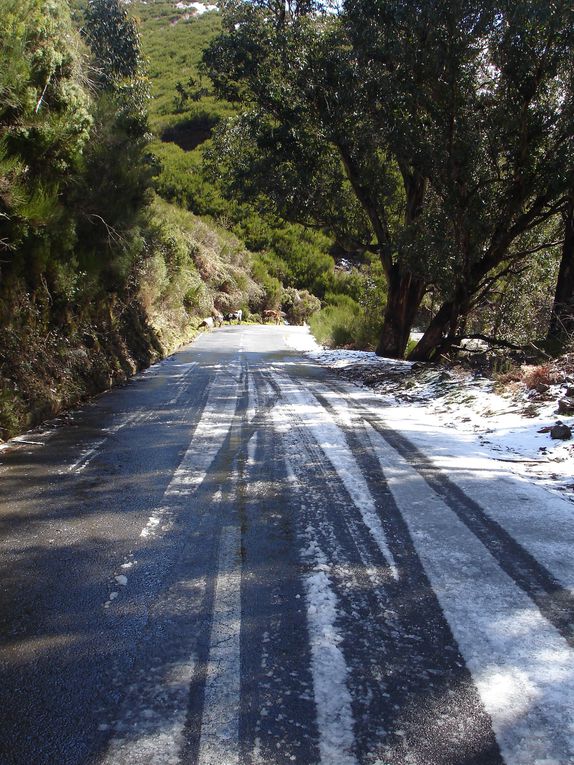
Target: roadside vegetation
(436, 136)
(185, 114)
(98, 276)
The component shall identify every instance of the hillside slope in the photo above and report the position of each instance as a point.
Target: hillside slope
(98, 277)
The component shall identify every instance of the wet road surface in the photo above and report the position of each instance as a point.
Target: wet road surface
(235, 561)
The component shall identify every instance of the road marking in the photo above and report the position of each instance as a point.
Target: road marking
(252, 398)
(328, 667)
(84, 460)
(182, 379)
(252, 449)
(208, 437)
(86, 457)
(522, 667)
(219, 740)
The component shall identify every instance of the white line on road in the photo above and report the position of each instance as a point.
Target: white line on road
(84, 460)
(86, 457)
(523, 668)
(219, 741)
(207, 440)
(252, 399)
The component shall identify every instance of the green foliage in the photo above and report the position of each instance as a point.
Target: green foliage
(431, 135)
(172, 42)
(44, 119)
(113, 38)
(299, 305)
(189, 268)
(97, 276)
(184, 110)
(339, 324)
(69, 206)
(352, 307)
(519, 308)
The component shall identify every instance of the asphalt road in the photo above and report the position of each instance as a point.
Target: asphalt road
(233, 560)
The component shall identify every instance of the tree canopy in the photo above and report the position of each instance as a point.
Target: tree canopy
(436, 134)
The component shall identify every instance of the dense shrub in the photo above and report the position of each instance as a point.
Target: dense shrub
(299, 305)
(342, 323)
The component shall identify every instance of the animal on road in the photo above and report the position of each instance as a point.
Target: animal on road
(217, 317)
(234, 316)
(271, 315)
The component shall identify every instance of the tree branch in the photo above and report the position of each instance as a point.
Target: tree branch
(379, 226)
(545, 246)
(486, 339)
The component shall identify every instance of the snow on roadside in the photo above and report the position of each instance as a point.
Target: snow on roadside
(428, 401)
(300, 339)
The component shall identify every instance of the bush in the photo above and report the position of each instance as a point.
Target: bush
(545, 374)
(338, 324)
(344, 322)
(299, 305)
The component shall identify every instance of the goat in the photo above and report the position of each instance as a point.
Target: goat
(274, 315)
(238, 315)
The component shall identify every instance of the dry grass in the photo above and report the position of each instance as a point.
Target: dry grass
(545, 374)
(509, 376)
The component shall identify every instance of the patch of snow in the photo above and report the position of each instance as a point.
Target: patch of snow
(328, 666)
(333, 443)
(522, 666)
(301, 339)
(429, 400)
(199, 8)
(141, 735)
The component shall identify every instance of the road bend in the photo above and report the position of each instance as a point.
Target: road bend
(236, 560)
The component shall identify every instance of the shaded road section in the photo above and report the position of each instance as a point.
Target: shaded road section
(234, 560)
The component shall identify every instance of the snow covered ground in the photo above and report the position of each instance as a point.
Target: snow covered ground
(461, 411)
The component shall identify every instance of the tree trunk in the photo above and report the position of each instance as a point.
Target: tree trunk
(562, 321)
(404, 298)
(434, 335)
(444, 325)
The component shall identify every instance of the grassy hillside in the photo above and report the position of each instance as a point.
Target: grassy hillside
(183, 113)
